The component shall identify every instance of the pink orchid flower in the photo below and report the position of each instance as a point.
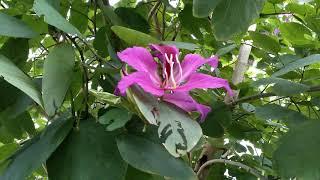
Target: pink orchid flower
(163, 75)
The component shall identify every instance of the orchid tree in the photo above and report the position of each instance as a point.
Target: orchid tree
(159, 89)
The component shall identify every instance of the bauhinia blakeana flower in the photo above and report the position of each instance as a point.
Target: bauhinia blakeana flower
(163, 75)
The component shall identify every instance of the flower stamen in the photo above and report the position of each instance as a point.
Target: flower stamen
(179, 66)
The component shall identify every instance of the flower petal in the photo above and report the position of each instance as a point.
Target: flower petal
(192, 62)
(184, 101)
(143, 80)
(213, 61)
(140, 59)
(199, 80)
(160, 50)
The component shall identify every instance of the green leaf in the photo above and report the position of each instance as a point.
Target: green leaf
(135, 174)
(211, 127)
(203, 8)
(248, 107)
(133, 19)
(152, 158)
(7, 150)
(146, 104)
(14, 27)
(277, 112)
(18, 124)
(297, 154)
(177, 131)
(237, 14)
(17, 102)
(192, 24)
(313, 22)
(37, 150)
(282, 87)
(182, 45)
(53, 17)
(219, 117)
(87, 153)
(78, 15)
(16, 77)
(106, 97)
(115, 118)
(312, 59)
(109, 13)
(265, 42)
(295, 33)
(17, 50)
(100, 42)
(301, 9)
(226, 50)
(133, 37)
(57, 76)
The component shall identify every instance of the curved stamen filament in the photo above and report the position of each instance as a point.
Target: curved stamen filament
(171, 74)
(179, 66)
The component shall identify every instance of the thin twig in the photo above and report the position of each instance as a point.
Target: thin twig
(153, 10)
(238, 164)
(295, 104)
(95, 53)
(264, 95)
(95, 16)
(85, 86)
(164, 22)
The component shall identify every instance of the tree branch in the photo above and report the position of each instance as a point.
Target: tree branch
(85, 85)
(264, 95)
(241, 66)
(238, 164)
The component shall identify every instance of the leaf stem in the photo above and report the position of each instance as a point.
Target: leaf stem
(238, 164)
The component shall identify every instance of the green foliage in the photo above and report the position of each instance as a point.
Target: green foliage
(177, 131)
(296, 33)
(265, 42)
(17, 50)
(280, 86)
(94, 145)
(133, 37)
(62, 117)
(276, 112)
(14, 27)
(295, 155)
(13, 75)
(115, 118)
(236, 14)
(203, 8)
(37, 150)
(217, 120)
(315, 58)
(131, 146)
(56, 79)
(53, 17)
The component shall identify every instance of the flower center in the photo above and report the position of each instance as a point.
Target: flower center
(171, 71)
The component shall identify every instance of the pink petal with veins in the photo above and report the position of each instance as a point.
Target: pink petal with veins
(143, 80)
(199, 80)
(184, 101)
